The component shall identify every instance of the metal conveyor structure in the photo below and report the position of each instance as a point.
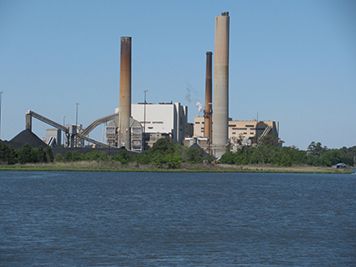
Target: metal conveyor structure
(97, 122)
(69, 136)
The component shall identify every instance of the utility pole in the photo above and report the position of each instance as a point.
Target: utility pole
(76, 123)
(76, 113)
(64, 134)
(0, 110)
(144, 118)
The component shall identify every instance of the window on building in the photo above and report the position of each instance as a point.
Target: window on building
(249, 125)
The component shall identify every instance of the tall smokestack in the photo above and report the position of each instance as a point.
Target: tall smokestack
(221, 84)
(125, 93)
(208, 96)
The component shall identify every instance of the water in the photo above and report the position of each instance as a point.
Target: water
(177, 219)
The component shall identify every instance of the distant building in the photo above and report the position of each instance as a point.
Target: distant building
(161, 120)
(243, 132)
(153, 121)
(111, 133)
(189, 129)
(135, 133)
(53, 137)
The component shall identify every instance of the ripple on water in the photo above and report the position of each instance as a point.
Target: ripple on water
(176, 219)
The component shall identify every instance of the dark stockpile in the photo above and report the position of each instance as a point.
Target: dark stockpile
(26, 137)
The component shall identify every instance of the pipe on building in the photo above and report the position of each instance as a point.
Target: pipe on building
(221, 84)
(208, 97)
(124, 133)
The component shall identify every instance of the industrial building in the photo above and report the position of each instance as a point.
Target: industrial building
(216, 132)
(54, 136)
(241, 132)
(162, 120)
(135, 131)
(133, 126)
(137, 126)
(166, 119)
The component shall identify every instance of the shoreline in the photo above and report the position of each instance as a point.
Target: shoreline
(110, 166)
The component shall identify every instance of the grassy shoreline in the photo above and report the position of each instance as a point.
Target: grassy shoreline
(111, 166)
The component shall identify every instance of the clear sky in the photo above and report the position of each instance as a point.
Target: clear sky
(293, 61)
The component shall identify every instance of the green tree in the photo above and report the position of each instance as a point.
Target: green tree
(49, 154)
(96, 155)
(163, 145)
(315, 148)
(228, 158)
(25, 154)
(122, 156)
(195, 154)
(7, 154)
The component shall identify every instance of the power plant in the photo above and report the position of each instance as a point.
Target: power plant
(138, 126)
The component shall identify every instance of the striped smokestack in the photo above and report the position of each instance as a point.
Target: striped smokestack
(208, 97)
(125, 94)
(221, 85)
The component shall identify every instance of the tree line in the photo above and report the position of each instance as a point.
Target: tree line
(25, 154)
(315, 155)
(165, 154)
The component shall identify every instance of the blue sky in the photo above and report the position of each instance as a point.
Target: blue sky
(290, 61)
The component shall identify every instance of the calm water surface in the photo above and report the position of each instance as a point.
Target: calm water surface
(177, 219)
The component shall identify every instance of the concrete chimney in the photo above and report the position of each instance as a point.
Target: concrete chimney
(208, 97)
(125, 94)
(221, 85)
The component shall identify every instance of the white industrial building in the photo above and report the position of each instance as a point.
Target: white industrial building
(162, 119)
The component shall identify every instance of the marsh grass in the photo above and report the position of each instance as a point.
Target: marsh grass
(114, 166)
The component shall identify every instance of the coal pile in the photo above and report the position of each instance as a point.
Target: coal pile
(26, 137)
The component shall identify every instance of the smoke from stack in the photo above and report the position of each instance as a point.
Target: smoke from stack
(199, 106)
(125, 93)
(208, 97)
(221, 84)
